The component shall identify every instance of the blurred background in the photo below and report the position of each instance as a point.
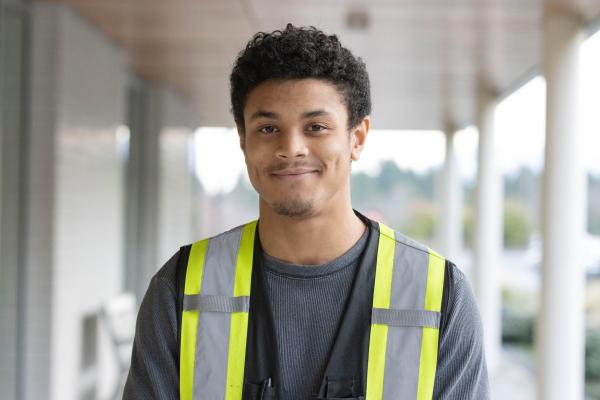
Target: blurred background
(117, 148)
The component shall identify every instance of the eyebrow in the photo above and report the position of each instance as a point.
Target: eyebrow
(315, 113)
(272, 115)
(264, 114)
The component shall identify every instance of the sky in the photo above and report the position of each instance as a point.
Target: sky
(519, 127)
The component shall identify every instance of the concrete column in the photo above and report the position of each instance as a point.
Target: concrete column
(560, 333)
(450, 227)
(199, 206)
(37, 275)
(142, 197)
(159, 181)
(488, 228)
(14, 24)
(176, 175)
(175, 192)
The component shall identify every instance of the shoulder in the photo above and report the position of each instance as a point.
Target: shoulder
(456, 290)
(460, 313)
(173, 272)
(162, 289)
(166, 275)
(462, 371)
(232, 233)
(407, 242)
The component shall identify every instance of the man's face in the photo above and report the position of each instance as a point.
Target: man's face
(297, 145)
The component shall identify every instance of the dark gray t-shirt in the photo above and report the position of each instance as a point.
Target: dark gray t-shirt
(307, 304)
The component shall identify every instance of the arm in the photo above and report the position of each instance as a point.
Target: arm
(462, 372)
(154, 371)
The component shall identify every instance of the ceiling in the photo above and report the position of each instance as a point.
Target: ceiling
(424, 57)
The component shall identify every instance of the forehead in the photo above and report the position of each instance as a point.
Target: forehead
(294, 96)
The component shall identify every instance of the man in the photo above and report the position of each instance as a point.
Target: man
(314, 300)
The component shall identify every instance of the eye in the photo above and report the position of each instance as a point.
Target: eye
(269, 129)
(317, 128)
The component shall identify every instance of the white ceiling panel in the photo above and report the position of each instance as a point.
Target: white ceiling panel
(423, 56)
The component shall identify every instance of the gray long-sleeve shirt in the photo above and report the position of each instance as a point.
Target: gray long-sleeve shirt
(307, 304)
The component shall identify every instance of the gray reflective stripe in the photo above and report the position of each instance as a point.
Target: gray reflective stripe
(405, 318)
(402, 363)
(409, 279)
(403, 353)
(212, 303)
(212, 339)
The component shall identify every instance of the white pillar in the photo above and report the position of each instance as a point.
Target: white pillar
(560, 344)
(488, 229)
(450, 229)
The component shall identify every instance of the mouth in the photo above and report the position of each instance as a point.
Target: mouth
(294, 173)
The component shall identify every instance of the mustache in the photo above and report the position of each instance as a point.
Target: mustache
(282, 166)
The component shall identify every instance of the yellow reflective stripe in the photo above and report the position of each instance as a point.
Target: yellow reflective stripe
(189, 320)
(382, 293)
(429, 342)
(239, 320)
(243, 269)
(429, 349)
(385, 266)
(435, 282)
(193, 275)
(376, 363)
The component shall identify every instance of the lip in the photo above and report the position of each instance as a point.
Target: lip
(294, 173)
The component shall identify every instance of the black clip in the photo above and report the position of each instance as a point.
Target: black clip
(263, 387)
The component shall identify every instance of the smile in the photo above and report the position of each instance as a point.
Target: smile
(294, 174)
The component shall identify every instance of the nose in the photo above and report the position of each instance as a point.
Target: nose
(291, 145)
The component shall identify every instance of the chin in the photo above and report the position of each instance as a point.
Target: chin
(294, 208)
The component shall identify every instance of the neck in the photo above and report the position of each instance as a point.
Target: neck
(313, 240)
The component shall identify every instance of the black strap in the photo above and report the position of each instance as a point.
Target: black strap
(261, 346)
(448, 287)
(182, 262)
(349, 355)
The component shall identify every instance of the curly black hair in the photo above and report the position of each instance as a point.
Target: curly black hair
(297, 53)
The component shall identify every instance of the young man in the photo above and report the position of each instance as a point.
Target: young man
(313, 301)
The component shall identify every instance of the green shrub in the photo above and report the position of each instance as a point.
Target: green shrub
(517, 228)
(468, 221)
(517, 328)
(592, 354)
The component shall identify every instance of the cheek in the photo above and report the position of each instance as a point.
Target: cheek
(255, 164)
(253, 169)
(339, 159)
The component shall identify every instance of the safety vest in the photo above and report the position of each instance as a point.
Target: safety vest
(404, 318)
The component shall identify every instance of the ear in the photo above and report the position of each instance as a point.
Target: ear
(358, 137)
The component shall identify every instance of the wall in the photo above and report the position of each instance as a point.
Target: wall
(79, 99)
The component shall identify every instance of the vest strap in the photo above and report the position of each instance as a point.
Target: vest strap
(213, 303)
(430, 341)
(239, 321)
(189, 320)
(405, 318)
(215, 315)
(381, 299)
